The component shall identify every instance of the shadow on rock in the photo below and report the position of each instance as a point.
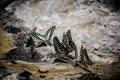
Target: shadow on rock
(25, 76)
(23, 55)
(89, 77)
(13, 30)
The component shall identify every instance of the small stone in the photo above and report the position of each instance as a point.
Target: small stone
(82, 41)
(43, 69)
(96, 46)
(42, 76)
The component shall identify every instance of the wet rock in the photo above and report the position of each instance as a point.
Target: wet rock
(114, 4)
(89, 77)
(4, 4)
(14, 74)
(3, 71)
(11, 76)
(6, 43)
(20, 40)
(25, 76)
(112, 43)
(7, 73)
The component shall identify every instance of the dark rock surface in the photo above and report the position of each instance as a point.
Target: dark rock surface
(14, 74)
(89, 77)
(114, 4)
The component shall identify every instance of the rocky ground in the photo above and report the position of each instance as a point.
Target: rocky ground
(94, 24)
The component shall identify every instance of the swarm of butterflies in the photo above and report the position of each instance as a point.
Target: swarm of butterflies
(63, 48)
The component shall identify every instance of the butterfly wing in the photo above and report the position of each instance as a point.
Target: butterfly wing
(33, 30)
(84, 56)
(69, 40)
(87, 57)
(64, 42)
(59, 48)
(49, 33)
(68, 33)
(76, 53)
(45, 37)
(81, 53)
(39, 36)
(63, 39)
(70, 43)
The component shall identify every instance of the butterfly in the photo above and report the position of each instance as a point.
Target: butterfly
(84, 57)
(68, 43)
(30, 42)
(46, 37)
(59, 47)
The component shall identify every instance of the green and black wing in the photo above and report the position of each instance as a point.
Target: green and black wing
(69, 40)
(46, 37)
(59, 47)
(69, 44)
(49, 33)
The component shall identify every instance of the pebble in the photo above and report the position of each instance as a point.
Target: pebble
(43, 69)
(96, 46)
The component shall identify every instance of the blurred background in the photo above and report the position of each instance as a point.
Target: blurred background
(95, 24)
